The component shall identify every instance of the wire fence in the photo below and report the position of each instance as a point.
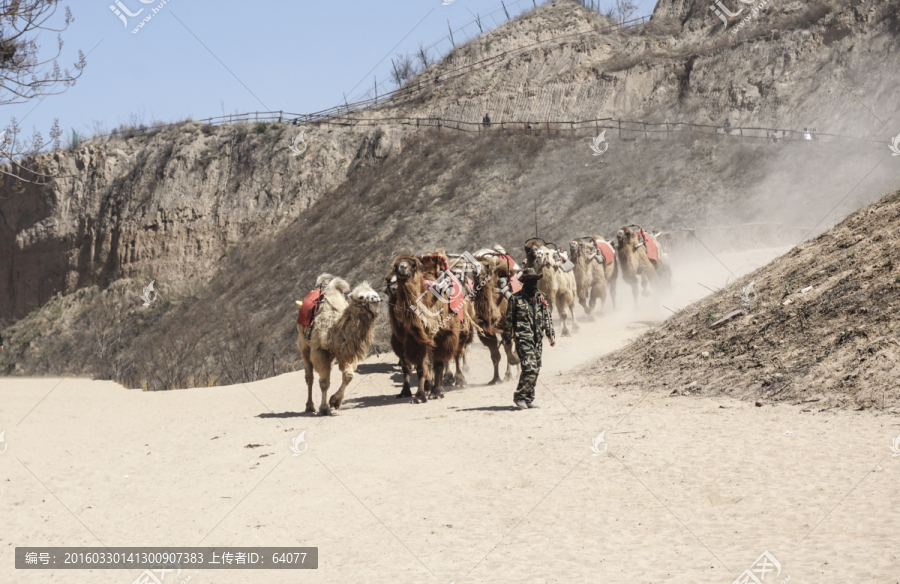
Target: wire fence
(625, 130)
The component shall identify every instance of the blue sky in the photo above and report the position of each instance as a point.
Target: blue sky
(203, 58)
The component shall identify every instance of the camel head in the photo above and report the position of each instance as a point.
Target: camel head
(390, 284)
(544, 257)
(364, 296)
(406, 267)
(625, 236)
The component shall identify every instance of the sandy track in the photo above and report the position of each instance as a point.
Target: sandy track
(690, 490)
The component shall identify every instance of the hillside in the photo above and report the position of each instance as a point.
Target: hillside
(233, 229)
(795, 64)
(835, 345)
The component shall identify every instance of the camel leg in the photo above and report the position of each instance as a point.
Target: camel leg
(404, 367)
(561, 310)
(460, 379)
(324, 383)
(494, 348)
(465, 363)
(423, 372)
(574, 322)
(645, 282)
(612, 292)
(511, 359)
(347, 370)
(599, 290)
(308, 371)
(427, 372)
(437, 390)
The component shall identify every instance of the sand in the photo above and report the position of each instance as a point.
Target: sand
(463, 489)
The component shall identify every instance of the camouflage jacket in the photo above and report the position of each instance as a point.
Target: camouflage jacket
(528, 321)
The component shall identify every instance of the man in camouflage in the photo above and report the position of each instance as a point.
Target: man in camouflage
(528, 320)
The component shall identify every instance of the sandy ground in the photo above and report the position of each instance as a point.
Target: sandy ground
(464, 489)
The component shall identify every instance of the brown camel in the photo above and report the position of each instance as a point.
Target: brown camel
(637, 265)
(342, 331)
(427, 331)
(396, 345)
(595, 269)
(491, 287)
(433, 265)
(557, 285)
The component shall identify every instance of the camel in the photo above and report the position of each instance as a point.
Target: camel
(433, 265)
(637, 266)
(427, 332)
(491, 303)
(396, 345)
(558, 286)
(593, 272)
(342, 332)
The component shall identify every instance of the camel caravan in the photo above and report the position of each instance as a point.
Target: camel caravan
(439, 302)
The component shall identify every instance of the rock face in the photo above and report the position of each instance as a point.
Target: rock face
(792, 64)
(167, 206)
(242, 228)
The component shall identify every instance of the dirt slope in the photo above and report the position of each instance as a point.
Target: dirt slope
(836, 345)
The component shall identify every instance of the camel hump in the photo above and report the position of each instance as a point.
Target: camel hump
(338, 285)
(324, 279)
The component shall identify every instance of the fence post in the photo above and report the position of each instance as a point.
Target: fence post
(504, 9)
(668, 137)
(452, 42)
(280, 115)
(645, 130)
(620, 129)
(742, 131)
(548, 127)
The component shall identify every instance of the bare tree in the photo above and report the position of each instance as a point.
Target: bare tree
(621, 10)
(423, 57)
(404, 69)
(23, 74)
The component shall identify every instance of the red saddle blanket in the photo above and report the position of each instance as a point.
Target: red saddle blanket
(309, 307)
(456, 292)
(513, 266)
(606, 250)
(649, 242)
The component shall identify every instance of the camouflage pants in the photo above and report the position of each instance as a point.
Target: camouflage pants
(529, 352)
